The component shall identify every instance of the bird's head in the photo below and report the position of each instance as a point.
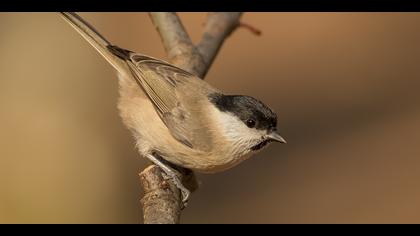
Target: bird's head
(245, 121)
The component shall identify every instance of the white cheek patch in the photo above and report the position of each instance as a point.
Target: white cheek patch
(235, 130)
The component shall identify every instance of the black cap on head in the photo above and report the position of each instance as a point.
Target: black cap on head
(251, 111)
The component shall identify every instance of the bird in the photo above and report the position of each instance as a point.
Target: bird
(178, 119)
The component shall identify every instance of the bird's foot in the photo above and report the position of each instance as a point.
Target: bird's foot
(173, 175)
(176, 179)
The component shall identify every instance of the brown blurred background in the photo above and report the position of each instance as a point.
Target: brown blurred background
(345, 87)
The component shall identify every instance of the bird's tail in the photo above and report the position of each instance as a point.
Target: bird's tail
(95, 39)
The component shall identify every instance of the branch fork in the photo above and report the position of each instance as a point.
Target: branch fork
(162, 203)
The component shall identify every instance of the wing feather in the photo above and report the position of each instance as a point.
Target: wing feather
(162, 83)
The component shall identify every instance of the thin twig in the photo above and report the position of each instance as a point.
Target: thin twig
(251, 28)
(162, 201)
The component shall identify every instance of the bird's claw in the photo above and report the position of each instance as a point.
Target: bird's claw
(185, 193)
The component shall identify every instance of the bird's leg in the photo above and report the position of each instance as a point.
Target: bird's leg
(172, 174)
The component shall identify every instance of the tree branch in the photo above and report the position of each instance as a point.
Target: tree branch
(218, 27)
(162, 202)
(178, 45)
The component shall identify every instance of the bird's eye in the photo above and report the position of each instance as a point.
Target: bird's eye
(250, 123)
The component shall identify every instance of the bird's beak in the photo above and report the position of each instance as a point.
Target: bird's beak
(276, 137)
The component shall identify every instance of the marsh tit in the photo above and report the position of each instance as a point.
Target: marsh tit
(178, 118)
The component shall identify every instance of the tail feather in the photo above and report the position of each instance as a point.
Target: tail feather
(95, 39)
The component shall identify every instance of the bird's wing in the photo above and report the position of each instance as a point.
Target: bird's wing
(176, 94)
(178, 97)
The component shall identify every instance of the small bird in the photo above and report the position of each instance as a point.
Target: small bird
(179, 119)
